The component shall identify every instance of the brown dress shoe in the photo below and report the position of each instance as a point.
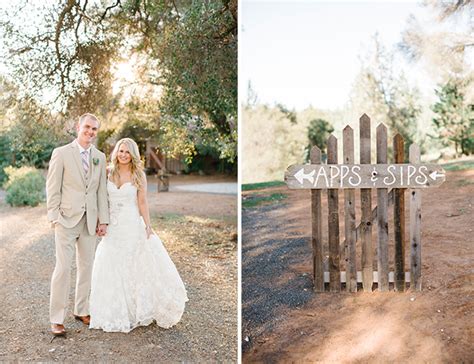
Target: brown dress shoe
(85, 319)
(58, 330)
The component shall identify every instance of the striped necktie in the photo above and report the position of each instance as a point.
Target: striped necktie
(85, 161)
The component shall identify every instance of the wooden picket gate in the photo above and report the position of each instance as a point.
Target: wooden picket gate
(413, 176)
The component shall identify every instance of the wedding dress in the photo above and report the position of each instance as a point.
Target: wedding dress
(134, 280)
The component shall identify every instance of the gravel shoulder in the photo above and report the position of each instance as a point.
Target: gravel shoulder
(202, 242)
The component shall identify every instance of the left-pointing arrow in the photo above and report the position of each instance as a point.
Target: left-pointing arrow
(301, 176)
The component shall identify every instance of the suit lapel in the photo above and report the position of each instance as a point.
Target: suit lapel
(92, 166)
(77, 157)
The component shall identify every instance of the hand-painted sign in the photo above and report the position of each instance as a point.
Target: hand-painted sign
(317, 176)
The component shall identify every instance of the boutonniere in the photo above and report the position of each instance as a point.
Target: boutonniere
(95, 161)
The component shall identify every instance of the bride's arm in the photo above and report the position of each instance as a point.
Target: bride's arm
(143, 206)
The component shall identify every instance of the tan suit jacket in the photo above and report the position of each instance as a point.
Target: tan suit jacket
(70, 193)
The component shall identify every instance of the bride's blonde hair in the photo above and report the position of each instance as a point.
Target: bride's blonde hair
(136, 165)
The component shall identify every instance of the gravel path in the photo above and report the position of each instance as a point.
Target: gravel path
(207, 331)
(219, 188)
(268, 258)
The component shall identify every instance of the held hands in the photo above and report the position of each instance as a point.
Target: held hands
(148, 231)
(101, 230)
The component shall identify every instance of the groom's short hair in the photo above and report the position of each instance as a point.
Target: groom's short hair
(88, 116)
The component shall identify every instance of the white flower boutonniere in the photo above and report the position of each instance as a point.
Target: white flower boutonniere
(95, 161)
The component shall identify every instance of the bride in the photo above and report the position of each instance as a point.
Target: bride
(133, 280)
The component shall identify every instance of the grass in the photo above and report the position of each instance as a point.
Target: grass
(255, 200)
(261, 185)
(459, 166)
(464, 182)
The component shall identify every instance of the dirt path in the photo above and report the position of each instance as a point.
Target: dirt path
(199, 232)
(284, 321)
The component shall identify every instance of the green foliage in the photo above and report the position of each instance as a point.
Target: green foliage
(102, 137)
(199, 73)
(208, 159)
(261, 185)
(271, 142)
(385, 95)
(175, 140)
(25, 186)
(6, 156)
(30, 137)
(455, 119)
(189, 51)
(139, 130)
(318, 132)
(192, 56)
(290, 114)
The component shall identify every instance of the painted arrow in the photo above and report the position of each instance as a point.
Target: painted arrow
(301, 176)
(434, 175)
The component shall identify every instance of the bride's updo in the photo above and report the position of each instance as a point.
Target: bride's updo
(136, 165)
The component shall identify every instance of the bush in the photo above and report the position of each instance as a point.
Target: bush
(25, 186)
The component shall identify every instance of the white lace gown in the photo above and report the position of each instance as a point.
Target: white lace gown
(134, 280)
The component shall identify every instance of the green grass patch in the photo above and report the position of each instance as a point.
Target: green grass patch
(459, 166)
(255, 200)
(464, 182)
(261, 185)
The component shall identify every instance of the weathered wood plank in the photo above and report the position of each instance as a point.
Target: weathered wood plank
(349, 215)
(359, 277)
(316, 224)
(399, 219)
(364, 176)
(366, 207)
(333, 223)
(374, 216)
(415, 227)
(382, 215)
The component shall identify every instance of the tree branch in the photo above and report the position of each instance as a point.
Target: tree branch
(110, 8)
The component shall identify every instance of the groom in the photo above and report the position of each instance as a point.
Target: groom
(78, 208)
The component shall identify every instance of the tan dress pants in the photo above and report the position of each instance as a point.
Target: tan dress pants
(68, 239)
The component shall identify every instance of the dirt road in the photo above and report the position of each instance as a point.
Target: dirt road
(284, 321)
(199, 232)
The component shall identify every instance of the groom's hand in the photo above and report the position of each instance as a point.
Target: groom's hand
(101, 230)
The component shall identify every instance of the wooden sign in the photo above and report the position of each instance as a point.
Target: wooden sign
(317, 176)
(391, 181)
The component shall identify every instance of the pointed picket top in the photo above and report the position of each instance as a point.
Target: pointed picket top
(381, 143)
(332, 149)
(364, 118)
(382, 128)
(398, 137)
(332, 144)
(315, 155)
(398, 148)
(348, 145)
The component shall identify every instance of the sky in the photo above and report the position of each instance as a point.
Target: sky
(302, 53)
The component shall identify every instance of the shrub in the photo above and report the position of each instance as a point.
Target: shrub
(25, 186)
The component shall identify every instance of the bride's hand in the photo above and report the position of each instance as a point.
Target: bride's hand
(148, 231)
